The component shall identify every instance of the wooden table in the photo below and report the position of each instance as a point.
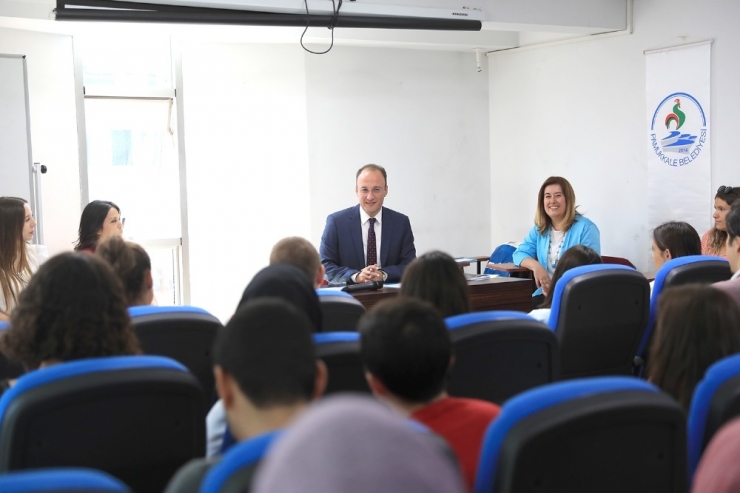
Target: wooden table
(511, 269)
(496, 293)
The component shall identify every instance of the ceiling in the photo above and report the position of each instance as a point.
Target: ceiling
(508, 24)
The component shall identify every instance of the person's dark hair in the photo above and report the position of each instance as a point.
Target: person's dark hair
(91, 221)
(697, 325)
(376, 168)
(404, 343)
(72, 308)
(299, 252)
(678, 237)
(268, 348)
(717, 237)
(435, 277)
(130, 262)
(289, 283)
(575, 256)
(541, 219)
(732, 221)
(14, 267)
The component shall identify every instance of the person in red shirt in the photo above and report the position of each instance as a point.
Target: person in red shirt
(407, 353)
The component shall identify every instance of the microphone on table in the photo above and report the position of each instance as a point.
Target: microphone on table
(363, 286)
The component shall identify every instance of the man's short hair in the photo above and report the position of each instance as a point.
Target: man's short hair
(267, 347)
(406, 345)
(373, 167)
(732, 220)
(298, 252)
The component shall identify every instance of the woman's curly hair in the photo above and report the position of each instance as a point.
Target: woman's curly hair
(72, 308)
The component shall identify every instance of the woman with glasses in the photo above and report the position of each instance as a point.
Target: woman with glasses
(18, 259)
(100, 219)
(557, 227)
(713, 241)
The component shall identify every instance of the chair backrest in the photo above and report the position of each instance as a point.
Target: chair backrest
(340, 351)
(183, 333)
(617, 260)
(503, 254)
(716, 401)
(138, 418)
(235, 471)
(340, 311)
(499, 354)
(606, 434)
(62, 480)
(8, 369)
(703, 269)
(599, 313)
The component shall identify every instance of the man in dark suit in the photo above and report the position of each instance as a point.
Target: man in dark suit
(367, 242)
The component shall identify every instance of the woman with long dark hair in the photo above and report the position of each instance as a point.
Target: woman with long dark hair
(100, 219)
(18, 260)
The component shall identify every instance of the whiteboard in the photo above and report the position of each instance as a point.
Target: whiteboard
(16, 161)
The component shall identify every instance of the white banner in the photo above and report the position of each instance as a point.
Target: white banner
(678, 154)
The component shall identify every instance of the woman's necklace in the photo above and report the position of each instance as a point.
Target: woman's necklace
(554, 253)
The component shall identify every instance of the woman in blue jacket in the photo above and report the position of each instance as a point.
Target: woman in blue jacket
(557, 227)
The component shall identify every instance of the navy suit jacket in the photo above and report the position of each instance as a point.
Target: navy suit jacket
(341, 245)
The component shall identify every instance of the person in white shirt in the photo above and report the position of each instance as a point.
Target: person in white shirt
(367, 242)
(575, 256)
(18, 259)
(732, 222)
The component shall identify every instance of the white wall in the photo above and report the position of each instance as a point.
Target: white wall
(247, 164)
(274, 137)
(420, 114)
(578, 110)
(50, 67)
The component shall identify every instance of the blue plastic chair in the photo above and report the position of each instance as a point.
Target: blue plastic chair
(716, 400)
(501, 255)
(675, 272)
(599, 313)
(66, 480)
(340, 351)
(138, 418)
(183, 333)
(499, 354)
(603, 434)
(235, 471)
(340, 311)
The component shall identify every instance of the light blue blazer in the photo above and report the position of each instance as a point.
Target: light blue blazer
(535, 245)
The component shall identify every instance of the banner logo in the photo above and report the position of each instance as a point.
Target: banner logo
(678, 130)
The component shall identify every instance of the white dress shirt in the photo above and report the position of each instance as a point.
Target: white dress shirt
(365, 223)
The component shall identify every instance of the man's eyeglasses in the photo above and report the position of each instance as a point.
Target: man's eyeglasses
(724, 190)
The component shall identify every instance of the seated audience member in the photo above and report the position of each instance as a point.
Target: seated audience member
(718, 471)
(133, 267)
(100, 219)
(266, 373)
(353, 444)
(575, 256)
(435, 277)
(671, 240)
(697, 325)
(18, 259)
(282, 281)
(72, 308)
(732, 221)
(558, 226)
(714, 240)
(299, 252)
(407, 353)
